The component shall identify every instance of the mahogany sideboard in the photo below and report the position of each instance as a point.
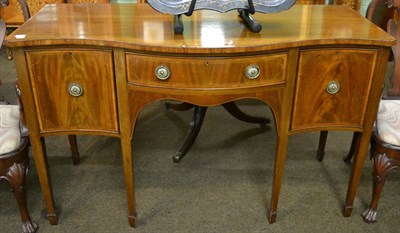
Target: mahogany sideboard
(91, 68)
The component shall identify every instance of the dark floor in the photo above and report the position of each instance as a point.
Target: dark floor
(223, 185)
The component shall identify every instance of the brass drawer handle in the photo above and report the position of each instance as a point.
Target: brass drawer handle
(333, 87)
(75, 89)
(162, 72)
(252, 71)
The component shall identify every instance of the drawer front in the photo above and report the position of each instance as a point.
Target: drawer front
(57, 78)
(200, 72)
(332, 88)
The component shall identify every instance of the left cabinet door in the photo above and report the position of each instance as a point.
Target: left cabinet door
(74, 90)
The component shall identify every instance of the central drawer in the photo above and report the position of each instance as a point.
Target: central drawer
(207, 72)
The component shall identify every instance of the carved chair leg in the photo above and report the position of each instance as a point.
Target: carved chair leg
(195, 126)
(382, 166)
(16, 177)
(233, 109)
(321, 146)
(74, 149)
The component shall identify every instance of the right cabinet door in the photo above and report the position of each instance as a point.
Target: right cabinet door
(332, 88)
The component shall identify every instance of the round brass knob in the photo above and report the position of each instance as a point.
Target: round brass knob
(252, 71)
(333, 87)
(162, 72)
(75, 89)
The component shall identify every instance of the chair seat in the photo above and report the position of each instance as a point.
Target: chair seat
(9, 128)
(388, 121)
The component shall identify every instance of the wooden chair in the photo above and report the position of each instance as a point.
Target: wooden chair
(14, 158)
(385, 142)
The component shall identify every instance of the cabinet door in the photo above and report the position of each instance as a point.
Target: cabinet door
(332, 87)
(56, 78)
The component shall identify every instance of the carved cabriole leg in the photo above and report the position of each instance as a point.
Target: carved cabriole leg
(382, 166)
(16, 178)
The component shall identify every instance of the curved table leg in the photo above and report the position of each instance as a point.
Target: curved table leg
(197, 121)
(233, 109)
(195, 126)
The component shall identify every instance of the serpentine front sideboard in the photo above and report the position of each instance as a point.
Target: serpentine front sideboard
(90, 69)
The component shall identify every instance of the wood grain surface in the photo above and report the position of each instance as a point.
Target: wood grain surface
(205, 31)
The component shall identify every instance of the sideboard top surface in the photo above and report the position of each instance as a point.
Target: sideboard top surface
(138, 26)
